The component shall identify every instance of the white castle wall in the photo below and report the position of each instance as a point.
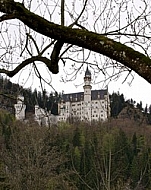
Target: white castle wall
(20, 108)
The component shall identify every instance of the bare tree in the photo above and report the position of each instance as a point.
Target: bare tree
(29, 156)
(33, 33)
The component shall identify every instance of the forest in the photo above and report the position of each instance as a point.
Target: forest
(115, 155)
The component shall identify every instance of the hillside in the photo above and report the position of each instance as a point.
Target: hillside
(110, 155)
(120, 108)
(9, 92)
(78, 155)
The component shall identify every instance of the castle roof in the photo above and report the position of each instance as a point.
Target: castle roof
(87, 72)
(76, 97)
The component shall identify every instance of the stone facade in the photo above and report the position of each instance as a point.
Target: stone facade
(20, 108)
(88, 105)
(43, 117)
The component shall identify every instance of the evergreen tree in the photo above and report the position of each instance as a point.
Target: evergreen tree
(139, 105)
(146, 109)
(76, 138)
(117, 104)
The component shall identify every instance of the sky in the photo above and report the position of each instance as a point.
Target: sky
(138, 89)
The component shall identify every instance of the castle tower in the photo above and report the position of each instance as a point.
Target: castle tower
(87, 95)
(20, 108)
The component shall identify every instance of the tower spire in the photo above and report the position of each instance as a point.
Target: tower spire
(87, 72)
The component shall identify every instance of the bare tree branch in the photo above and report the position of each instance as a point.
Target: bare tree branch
(7, 17)
(25, 63)
(132, 59)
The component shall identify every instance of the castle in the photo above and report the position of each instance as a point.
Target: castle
(88, 105)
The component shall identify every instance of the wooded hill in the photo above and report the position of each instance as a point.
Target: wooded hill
(9, 92)
(115, 155)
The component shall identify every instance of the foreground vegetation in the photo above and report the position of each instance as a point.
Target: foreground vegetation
(113, 155)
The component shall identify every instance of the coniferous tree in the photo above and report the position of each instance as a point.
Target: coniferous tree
(146, 109)
(139, 105)
(117, 104)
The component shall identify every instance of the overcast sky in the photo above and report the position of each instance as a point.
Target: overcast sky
(138, 90)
